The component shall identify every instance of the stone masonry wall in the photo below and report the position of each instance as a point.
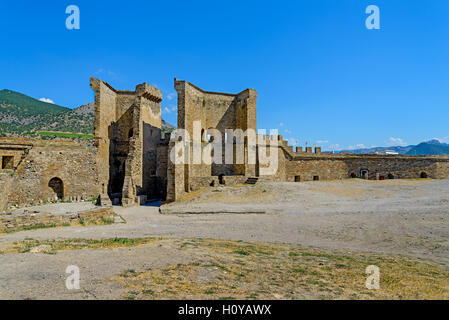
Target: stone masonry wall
(318, 166)
(215, 110)
(73, 164)
(5, 182)
(128, 134)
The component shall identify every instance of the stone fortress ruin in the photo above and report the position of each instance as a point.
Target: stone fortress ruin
(130, 161)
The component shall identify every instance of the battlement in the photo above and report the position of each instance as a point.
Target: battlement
(130, 160)
(182, 84)
(149, 92)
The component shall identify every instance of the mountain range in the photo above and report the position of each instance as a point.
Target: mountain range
(432, 147)
(21, 115)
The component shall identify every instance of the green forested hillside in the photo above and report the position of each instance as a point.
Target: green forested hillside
(21, 115)
(24, 106)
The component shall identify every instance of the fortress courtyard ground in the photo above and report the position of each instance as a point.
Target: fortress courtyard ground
(267, 241)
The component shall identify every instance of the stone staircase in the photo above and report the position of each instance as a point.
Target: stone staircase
(24, 155)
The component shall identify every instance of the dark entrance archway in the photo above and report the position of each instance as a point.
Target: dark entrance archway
(57, 186)
(424, 175)
(7, 162)
(364, 174)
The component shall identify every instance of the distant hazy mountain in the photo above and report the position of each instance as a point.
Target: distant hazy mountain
(398, 149)
(432, 147)
(21, 115)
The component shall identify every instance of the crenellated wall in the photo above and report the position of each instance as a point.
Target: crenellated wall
(307, 166)
(129, 160)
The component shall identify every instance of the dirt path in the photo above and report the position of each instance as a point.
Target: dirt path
(400, 217)
(408, 218)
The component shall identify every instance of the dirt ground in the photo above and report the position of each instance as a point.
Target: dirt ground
(404, 219)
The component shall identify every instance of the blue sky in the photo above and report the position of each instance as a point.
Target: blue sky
(321, 75)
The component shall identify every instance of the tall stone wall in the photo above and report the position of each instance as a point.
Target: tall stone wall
(44, 161)
(128, 135)
(176, 175)
(105, 115)
(214, 110)
(5, 182)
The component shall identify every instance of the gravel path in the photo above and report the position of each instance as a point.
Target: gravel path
(402, 217)
(399, 217)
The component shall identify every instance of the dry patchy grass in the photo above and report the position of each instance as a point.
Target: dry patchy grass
(74, 244)
(237, 270)
(224, 269)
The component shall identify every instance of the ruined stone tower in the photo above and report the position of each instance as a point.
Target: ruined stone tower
(130, 155)
(215, 112)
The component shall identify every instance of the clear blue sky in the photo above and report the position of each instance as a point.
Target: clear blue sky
(322, 77)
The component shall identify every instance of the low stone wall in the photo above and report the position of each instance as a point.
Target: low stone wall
(197, 183)
(30, 220)
(310, 166)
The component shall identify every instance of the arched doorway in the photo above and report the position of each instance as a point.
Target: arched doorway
(57, 186)
(353, 175)
(424, 175)
(390, 176)
(364, 174)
